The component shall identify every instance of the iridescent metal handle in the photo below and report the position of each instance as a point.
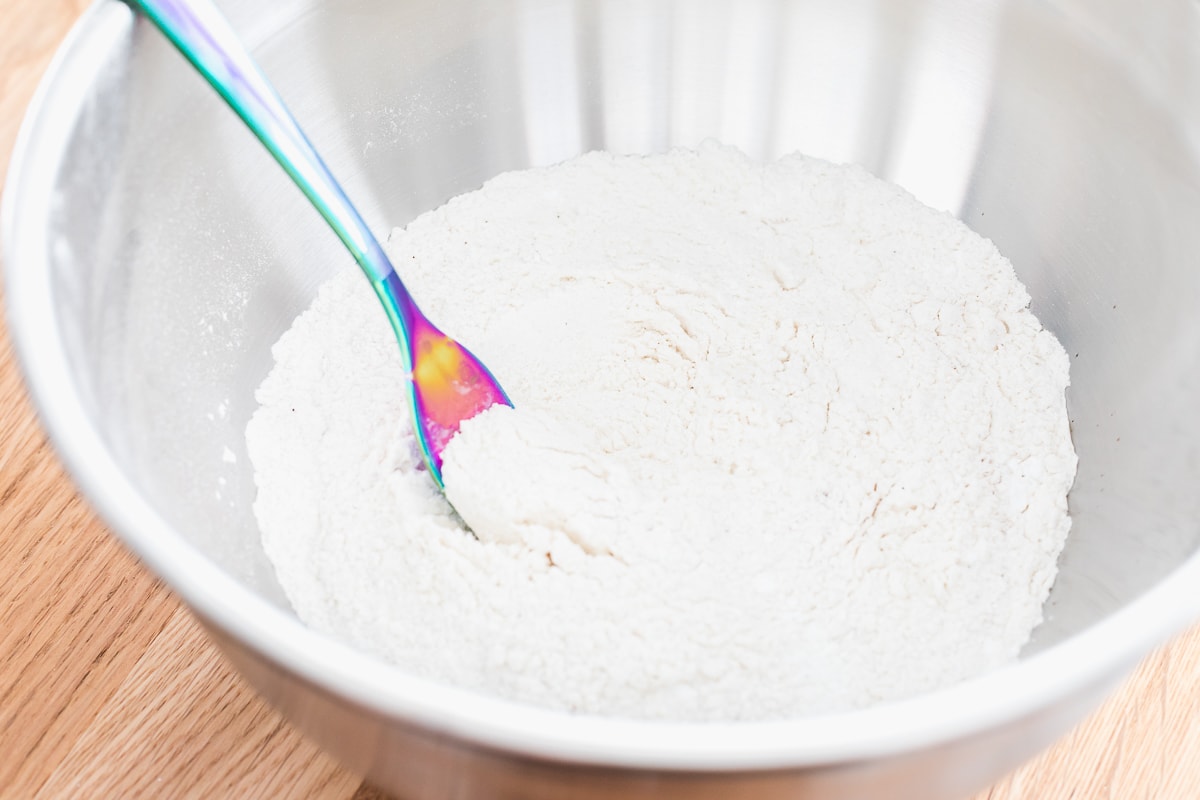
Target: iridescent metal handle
(201, 33)
(447, 383)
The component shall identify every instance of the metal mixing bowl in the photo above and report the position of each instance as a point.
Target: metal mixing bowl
(154, 254)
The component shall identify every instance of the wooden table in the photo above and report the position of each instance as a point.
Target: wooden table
(109, 689)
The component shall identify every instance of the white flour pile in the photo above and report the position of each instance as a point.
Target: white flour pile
(786, 441)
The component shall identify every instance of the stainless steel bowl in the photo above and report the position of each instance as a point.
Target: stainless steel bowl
(154, 254)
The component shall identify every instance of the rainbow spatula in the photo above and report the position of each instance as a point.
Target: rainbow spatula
(447, 384)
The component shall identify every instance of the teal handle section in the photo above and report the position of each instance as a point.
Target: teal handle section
(200, 32)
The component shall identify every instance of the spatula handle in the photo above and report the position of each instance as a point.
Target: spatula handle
(202, 34)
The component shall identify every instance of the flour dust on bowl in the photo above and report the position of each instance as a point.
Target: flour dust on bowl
(154, 254)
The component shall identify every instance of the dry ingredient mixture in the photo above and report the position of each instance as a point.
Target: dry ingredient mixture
(785, 441)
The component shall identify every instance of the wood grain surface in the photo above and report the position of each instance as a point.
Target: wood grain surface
(108, 688)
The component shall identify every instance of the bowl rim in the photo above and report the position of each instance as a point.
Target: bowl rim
(1085, 660)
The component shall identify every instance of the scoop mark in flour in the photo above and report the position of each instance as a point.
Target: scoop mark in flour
(521, 478)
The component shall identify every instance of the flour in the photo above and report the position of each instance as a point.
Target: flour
(785, 441)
